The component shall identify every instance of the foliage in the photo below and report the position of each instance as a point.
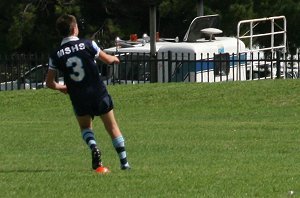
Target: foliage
(174, 14)
(29, 25)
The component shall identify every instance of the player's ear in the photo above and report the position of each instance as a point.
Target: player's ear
(74, 30)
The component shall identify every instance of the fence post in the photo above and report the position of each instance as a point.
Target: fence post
(278, 67)
(153, 65)
(153, 69)
(169, 66)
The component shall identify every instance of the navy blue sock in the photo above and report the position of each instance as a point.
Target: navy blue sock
(119, 145)
(89, 138)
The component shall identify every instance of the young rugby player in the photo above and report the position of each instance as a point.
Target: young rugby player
(76, 59)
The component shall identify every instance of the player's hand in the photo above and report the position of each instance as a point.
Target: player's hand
(108, 59)
(63, 89)
(116, 60)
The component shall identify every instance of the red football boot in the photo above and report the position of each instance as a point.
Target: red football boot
(102, 170)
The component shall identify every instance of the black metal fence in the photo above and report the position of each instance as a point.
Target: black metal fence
(27, 71)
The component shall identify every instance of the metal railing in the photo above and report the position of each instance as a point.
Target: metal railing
(28, 71)
(278, 30)
(22, 71)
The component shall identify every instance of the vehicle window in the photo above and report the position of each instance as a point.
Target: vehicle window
(134, 67)
(222, 64)
(35, 75)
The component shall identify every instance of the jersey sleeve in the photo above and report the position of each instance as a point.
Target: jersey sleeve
(51, 64)
(96, 48)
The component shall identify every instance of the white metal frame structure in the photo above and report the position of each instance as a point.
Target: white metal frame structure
(250, 35)
(253, 23)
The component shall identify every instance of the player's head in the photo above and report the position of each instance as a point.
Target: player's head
(66, 25)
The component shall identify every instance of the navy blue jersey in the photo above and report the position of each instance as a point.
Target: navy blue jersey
(76, 59)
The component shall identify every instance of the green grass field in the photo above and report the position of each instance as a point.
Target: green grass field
(235, 139)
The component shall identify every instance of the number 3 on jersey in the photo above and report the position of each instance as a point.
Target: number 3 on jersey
(76, 64)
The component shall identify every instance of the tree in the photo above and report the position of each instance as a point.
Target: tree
(14, 26)
(29, 25)
(175, 17)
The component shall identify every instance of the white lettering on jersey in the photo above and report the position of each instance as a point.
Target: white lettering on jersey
(71, 49)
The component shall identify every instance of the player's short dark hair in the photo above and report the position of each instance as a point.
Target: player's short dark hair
(65, 24)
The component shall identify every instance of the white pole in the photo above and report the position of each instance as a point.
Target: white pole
(200, 8)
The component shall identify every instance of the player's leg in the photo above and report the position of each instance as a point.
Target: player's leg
(85, 123)
(118, 141)
(111, 125)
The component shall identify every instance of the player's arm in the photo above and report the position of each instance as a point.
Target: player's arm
(52, 84)
(107, 58)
